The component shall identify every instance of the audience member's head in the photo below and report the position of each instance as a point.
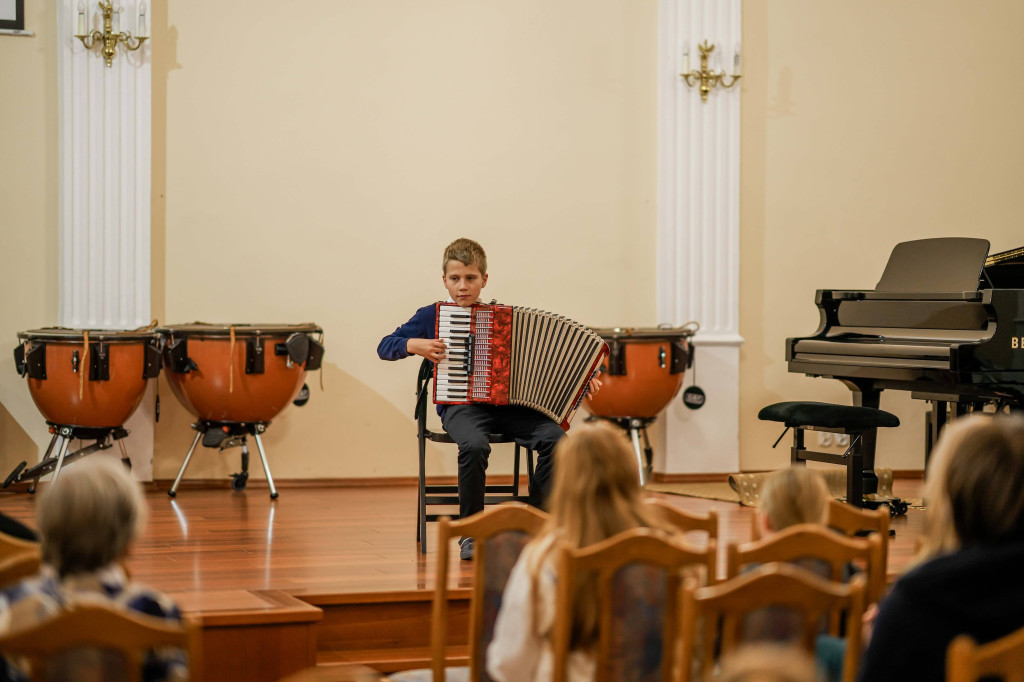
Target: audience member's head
(596, 491)
(90, 516)
(974, 482)
(794, 495)
(768, 663)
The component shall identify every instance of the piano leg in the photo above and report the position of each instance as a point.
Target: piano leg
(937, 418)
(866, 395)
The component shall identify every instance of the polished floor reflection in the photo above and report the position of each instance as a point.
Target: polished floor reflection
(337, 540)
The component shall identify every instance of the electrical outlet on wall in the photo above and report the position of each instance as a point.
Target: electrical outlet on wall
(824, 438)
(843, 439)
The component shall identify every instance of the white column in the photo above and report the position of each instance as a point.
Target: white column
(105, 151)
(698, 228)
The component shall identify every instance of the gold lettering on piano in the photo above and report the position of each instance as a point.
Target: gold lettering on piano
(1016, 343)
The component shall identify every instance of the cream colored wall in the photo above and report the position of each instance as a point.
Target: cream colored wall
(864, 124)
(28, 217)
(318, 162)
(318, 175)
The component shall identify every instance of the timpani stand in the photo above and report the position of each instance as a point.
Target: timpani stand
(643, 373)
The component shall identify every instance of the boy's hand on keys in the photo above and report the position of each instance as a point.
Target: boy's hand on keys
(431, 349)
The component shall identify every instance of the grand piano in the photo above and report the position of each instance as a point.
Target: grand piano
(944, 323)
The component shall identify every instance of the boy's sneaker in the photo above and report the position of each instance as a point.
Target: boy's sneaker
(466, 549)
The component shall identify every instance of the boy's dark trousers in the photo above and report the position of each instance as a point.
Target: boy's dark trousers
(468, 425)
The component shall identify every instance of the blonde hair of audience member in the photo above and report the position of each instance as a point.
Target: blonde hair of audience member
(791, 496)
(90, 516)
(596, 494)
(973, 487)
(768, 663)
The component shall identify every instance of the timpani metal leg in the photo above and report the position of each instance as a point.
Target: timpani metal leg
(49, 449)
(184, 465)
(634, 435)
(125, 459)
(266, 467)
(65, 442)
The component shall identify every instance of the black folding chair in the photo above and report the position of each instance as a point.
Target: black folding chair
(445, 494)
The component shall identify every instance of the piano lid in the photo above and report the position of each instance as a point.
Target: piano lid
(940, 265)
(1005, 270)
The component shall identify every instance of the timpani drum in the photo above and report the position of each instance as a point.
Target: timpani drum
(87, 378)
(239, 373)
(236, 378)
(643, 373)
(86, 383)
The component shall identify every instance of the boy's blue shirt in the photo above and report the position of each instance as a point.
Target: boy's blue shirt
(420, 326)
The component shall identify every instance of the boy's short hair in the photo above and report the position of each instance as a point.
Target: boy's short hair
(467, 252)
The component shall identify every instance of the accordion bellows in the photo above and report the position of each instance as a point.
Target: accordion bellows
(510, 355)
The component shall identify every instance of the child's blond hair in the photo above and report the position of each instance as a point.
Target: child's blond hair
(596, 494)
(467, 252)
(973, 487)
(794, 495)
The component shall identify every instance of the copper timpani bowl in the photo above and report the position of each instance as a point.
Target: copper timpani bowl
(643, 372)
(243, 373)
(94, 384)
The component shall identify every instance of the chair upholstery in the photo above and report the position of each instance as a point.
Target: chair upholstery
(1003, 658)
(440, 494)
(777, 585)
(638, 576)
(97, 641)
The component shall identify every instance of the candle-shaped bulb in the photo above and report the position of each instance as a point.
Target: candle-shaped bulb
(117, 20)
(142, 19)
(81, 18)
(686, 58)
(736, 63)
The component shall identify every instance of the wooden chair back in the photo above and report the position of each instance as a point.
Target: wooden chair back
(12, 546)
(686, 521)
(499, 535)
(966, 661)
(19, 566)
(851, 521)
(638, 577)
(813, 543)
(774, 585)
(97, 641)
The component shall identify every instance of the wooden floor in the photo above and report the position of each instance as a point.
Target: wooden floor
(335, 540)
(329, 575)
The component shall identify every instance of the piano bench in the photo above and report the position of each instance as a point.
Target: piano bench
(857, 422)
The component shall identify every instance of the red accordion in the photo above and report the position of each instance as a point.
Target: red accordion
(509, 355)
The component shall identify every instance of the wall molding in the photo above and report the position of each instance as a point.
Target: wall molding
(105, 169)
(698, 230)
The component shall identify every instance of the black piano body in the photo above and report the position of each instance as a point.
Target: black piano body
(941, 323)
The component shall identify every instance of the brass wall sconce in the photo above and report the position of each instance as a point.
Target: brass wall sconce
(112, 33)
(708, 79)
